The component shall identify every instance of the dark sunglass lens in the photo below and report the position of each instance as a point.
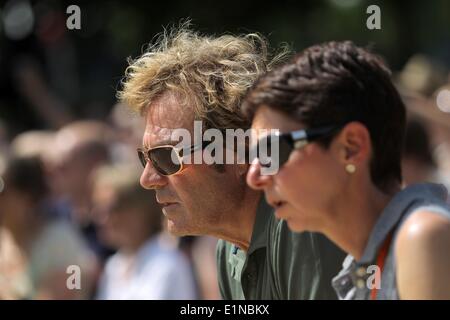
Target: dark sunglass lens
(273, 150)
(285, 150)
(162, 160)
(265, 150)
(142, 158)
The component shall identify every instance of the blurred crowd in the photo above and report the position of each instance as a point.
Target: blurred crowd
(425, 88)
(71, 197)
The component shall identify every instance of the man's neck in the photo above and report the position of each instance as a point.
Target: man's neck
(239, 226)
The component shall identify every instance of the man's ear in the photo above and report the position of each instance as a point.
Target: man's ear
(355, 144)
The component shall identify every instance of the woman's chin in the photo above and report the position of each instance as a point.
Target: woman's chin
(297, 225)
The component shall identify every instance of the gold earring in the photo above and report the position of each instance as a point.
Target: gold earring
(351, 168)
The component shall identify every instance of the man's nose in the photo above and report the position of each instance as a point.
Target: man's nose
(255, 179)
(151, 179)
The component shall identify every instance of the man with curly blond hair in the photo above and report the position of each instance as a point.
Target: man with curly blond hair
(186, 77)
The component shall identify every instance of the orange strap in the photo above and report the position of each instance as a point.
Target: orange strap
(381, 258)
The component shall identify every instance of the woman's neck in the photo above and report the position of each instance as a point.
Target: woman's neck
(356, 217)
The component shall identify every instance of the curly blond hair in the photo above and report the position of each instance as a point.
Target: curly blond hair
(212, 74)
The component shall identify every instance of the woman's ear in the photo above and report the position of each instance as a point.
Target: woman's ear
(356, 144)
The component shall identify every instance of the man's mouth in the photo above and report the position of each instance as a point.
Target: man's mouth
(164, 201)
(167, 204)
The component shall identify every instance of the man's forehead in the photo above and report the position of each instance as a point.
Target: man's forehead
(168, 112)
(163, 117)
(154, 136)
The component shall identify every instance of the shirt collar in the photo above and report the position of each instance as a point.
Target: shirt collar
(344, 282)
(260, 228)
(394, 211)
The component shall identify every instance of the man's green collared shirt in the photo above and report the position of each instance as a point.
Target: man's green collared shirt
(279, 264)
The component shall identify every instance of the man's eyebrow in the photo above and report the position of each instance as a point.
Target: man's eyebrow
(162, 143)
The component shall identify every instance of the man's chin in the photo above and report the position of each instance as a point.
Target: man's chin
(176, 230)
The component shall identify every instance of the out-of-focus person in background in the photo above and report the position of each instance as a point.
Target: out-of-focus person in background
(3, 139)
(203, 258)
(35, 250)
(440, 102)
(418, 164)
(420, 76)
(148, 264)
(425, 89)
(127, 131)
(78, 150)
(427, 145)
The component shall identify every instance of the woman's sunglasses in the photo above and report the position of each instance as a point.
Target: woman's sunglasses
(287, 142)
(161, 157)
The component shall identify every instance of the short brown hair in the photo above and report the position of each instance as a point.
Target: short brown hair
(335, 83)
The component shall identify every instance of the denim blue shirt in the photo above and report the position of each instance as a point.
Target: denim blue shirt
(351, 282)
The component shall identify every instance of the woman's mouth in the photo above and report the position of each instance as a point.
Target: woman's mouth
(278, 204)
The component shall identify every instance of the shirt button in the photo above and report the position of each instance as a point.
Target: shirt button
(361, 272)
(360, 283)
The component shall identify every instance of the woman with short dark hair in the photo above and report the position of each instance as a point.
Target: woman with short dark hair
(341, 124)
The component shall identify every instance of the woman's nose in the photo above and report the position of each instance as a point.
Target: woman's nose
(255, 179)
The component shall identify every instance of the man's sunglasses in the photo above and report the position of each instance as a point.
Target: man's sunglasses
(161, 157)
(288, 142)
